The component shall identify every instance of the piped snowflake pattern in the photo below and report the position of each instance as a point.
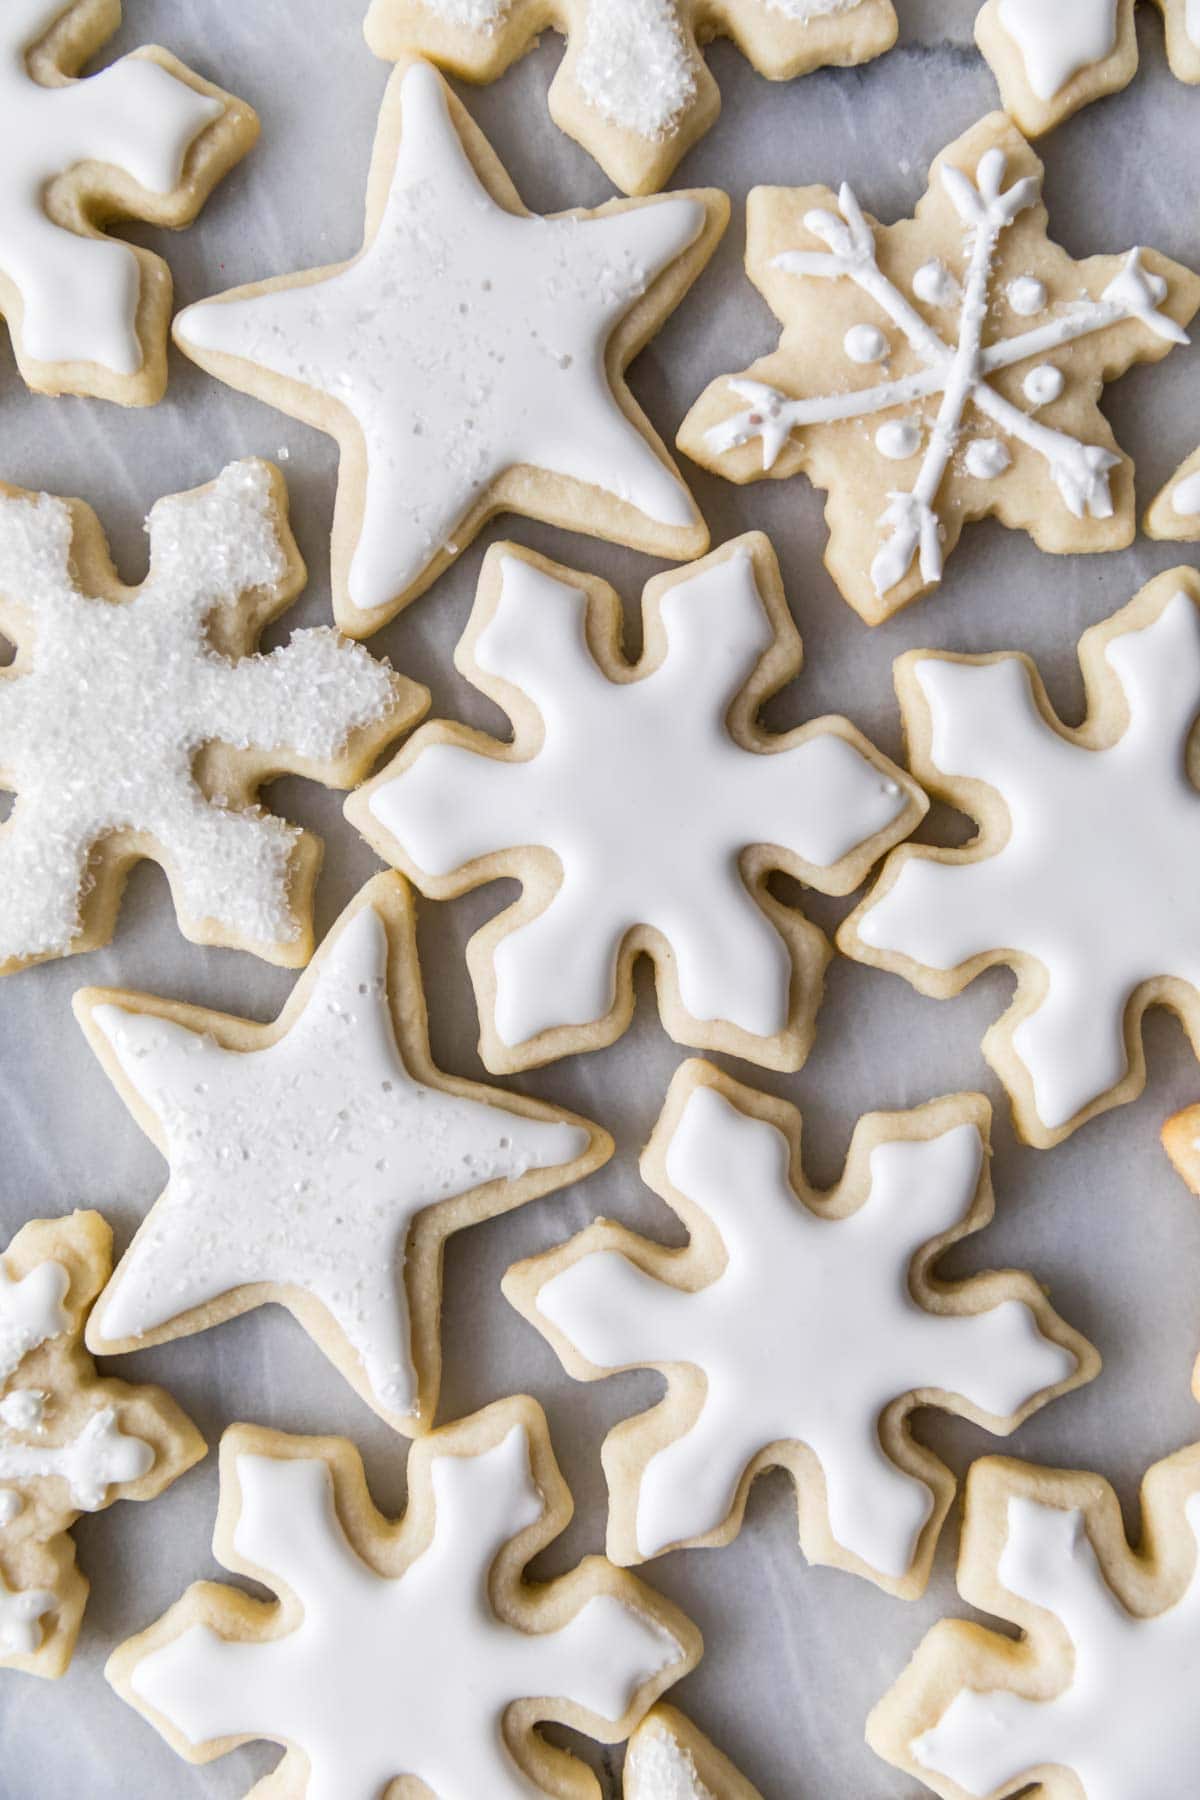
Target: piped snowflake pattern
(138, 723)
(799, 1329)
(642, 809)
(992, 419)
(144, 139)
(1097, 1697)
(404, 1650)
(69, 1441)
(1081, 876)
(634, 88)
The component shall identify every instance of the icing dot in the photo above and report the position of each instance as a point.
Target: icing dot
(1043, 384)
(986, 458)
(23, 1410)
(934, 284)
(865, 344)
(1185, 501)
(1026, 295)
(898, 439)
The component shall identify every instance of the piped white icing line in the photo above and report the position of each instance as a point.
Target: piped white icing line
(100, 1456)
(389, 1677)
(663, 739)
(1058, 39)
(659, 1767)
(1094, 880)
(1126, 1726)
(1185, 499)
(31, 1312)
(958, 371)
(100, 726)
(21, 1613)
(807, 1335)
(305, 1164)
(464, 341)
(79, 295)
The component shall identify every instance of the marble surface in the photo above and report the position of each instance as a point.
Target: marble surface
(795, 1656)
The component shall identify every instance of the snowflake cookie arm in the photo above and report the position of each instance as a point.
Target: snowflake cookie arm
(1174, 513)
(668, 1756)
(144, 139)
(633, 87)
(799, 1329)
(970, 353)
(320, 1161)
(1068, 818)
(1093, 1696)
(587, 807)
(414, 1649)
(69, 1440)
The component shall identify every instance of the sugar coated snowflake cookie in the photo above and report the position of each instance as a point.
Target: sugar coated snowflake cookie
(320, 1162)
(798, 1329)
(1082, 872)
(139, 722)
(1053, 56)
(642, 808)
(634, 88)
(1175, 512)
(969, 353)
(144, 139)
(1096, 1698)
(668, 1759)
(413, 1650)
(70, 1442)
(470, 359)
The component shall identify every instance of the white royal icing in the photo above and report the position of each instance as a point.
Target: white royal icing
(390, 1677)
(101, 723)
(21, 1613)
(1095, 876)
(1058, 38)
(807, 1335)
(1026, 295)
(23, 1409)
(304, 1164)
(31, 1312)
(898, 439)
(865, 344)
(1043, 384)
(935, 285)
(79, 294)
(465, 340)
(1126, 1726)
(659, 1767)
(100, 1456)
(11, 1505)
(1185, 500)
(671, 860)
(958, 371)
(1191, 20)
(986, 458)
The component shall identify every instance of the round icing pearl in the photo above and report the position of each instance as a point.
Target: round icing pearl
(934, 284)
(1026, 295)
(1043, 384)
(898, 439)
(865, 344)
(987, 458)
(1185, 501)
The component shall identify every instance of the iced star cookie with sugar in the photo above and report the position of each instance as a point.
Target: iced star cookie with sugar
(799, 1329)
(471, 358)
(415, 1651)
(633, 87)
(1095, 1699)
(668, 1759)
(141, 722)
(1052, 57)
(642, 808)
(320, 1162)
(940, 370)
(1174, 513)
(70, 1441)
(144, 139)
(1080, 877)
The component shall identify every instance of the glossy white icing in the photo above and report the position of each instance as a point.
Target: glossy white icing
(31, 1312)
(1058, 38)
(100, 1456)
(1185, 499)
(21, 1613)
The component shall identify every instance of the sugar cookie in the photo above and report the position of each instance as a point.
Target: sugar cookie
(642, 808)
(70, 1441)
(470, 359)
(1081, 875)
(633, 87)
(945, 428)
(412, 1649)
(1174, 513)
(668, 1759)
(799, 1330)
(320, 1162)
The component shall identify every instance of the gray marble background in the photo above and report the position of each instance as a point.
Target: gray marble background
(795, 1656)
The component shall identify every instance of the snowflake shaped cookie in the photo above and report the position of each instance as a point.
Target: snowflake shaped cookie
(144, 139)
(1174, 513)
(798, 1330)
(320, 1162)
(641, 807)
(404, 1650)
(1051, 59)
(471, 358)
(634, 88)
(139, 722)
(971, 353)
(1082, 873)
(70, 1442)
(1097, 1698)
(668, 1759)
